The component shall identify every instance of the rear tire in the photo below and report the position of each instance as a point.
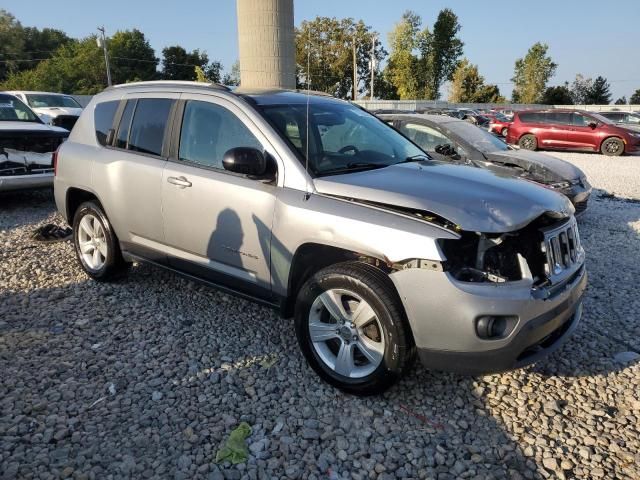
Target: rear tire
(612, 147)
(528, 142)
(95, 243)
(361, 342)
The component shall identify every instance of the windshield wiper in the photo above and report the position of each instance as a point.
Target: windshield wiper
(355, 166)
(414, 158)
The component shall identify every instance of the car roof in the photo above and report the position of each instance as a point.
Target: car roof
(13, 92)
(439, 119)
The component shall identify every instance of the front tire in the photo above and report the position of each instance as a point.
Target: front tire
(505, 132)
(96, 245)
(612, 147)
(528, 142)
(352, 329)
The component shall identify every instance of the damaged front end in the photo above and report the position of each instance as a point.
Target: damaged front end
(542, 254)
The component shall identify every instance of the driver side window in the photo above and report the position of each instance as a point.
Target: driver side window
(426, 137)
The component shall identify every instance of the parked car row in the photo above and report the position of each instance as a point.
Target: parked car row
(379, 251)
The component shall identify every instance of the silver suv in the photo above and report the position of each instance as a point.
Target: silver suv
(315, 207)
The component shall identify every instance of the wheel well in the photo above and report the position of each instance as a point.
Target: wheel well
(75, 198)
(313, 257)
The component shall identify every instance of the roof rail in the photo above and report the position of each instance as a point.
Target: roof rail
(172, 83)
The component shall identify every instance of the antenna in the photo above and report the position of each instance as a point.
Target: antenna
(306, 167)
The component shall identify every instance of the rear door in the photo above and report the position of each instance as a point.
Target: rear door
(217, 223)
(127, 174)
(556, 129)
(581, 135)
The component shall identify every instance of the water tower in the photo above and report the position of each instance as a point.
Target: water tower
(266, 39)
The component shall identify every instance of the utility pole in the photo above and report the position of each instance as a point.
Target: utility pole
(373, 62)
(355, 69)
(102, 42)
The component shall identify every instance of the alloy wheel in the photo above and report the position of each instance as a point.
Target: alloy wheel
(346, 333)
(92, 242)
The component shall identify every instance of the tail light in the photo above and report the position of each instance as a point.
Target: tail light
(54, 161)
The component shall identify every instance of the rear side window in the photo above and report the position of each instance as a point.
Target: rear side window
(558, 118)
(530, 117)
(149, 124)
(103, 119)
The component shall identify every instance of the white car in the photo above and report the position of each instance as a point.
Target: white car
(26, 146)
(53, 108)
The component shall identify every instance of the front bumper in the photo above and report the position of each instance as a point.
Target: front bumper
(26, 182)
(579, 194)
(442, 313)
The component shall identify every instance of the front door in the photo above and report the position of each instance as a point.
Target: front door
(582, 135)
(217, 224)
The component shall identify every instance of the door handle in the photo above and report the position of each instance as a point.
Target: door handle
(181, 182)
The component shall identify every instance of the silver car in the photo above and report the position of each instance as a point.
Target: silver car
(317, 208)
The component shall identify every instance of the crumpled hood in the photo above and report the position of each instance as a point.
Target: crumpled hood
(474, 199)
(542, 168)
(55, 111)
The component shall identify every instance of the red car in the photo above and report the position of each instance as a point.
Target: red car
(499, 124)
(571, 130)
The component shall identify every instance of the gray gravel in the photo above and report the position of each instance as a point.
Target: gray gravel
(145, 378)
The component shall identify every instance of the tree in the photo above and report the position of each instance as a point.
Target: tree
(560, 95)
(232, 78)
(580, 89)
(77, 67)
(468, 86)
(178, 64)
(403, 68)
(325, 51)
(131, 56)
(621, 101)
(11, 44)
(600, 93)
(532, 73)
(41, 45)
(441, 52)
(635, 98)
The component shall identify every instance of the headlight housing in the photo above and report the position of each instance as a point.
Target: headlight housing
(559, 185)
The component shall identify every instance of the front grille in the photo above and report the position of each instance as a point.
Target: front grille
(562, 249)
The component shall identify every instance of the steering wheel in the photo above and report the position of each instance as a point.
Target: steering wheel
(349, 148)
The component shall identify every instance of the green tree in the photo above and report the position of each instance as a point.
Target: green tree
(77, 67)
(11, 44)
(232, 78)
(131, 57)
(621, 101)
(532, 73)
(560, 95)
(178, 64)
(441, 52)
(41, 45)
(600, 93)
(403, 67)
(325, 51)
(635, 98)
(467, 86)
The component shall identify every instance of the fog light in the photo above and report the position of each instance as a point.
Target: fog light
(494, 327)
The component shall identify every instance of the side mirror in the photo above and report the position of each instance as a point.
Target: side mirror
(245, 160)
(593, 125)
(447, 150)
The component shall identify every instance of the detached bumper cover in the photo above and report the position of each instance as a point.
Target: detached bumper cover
(25, 182)
(442, 313)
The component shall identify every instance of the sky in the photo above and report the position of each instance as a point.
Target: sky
(584, 36)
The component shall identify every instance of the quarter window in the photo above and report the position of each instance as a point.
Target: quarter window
(209, 131)
(149, 124)
(125, 124)
(103, 119)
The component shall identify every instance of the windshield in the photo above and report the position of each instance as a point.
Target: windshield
(13, 110)
(45, 100)
(342, 137)
(478, 138)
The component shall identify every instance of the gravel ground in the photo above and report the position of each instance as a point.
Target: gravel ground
(146, 377)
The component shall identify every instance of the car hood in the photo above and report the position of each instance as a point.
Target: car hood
(29, 127)
(474, 199)
(540, 167)
(56, 111)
